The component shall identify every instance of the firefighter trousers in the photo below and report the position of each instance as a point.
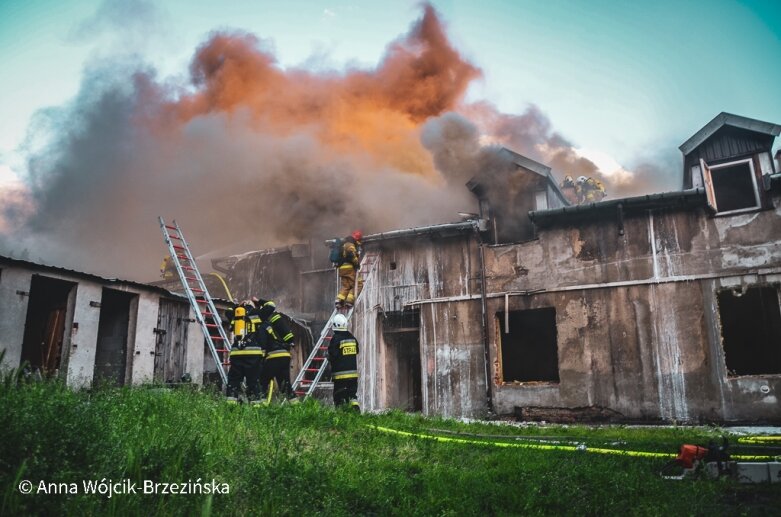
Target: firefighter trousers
(347, 279)
(245, 367)
(346, 392)
(278, 369)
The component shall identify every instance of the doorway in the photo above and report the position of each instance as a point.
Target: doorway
(44, 328)
(111, 354)
(401, 338)
(171, 345)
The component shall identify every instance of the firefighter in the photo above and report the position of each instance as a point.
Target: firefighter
(569, 190)
(349, 263)
(250, 342)
(277, 366)
(594, 191)
(167, 268)
(343, 356)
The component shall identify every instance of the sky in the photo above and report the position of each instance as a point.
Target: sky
(621, 84)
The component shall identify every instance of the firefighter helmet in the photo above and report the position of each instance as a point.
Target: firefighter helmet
(340, 322)
(357, 235)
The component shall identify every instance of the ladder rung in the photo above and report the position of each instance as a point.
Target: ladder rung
(221, 350)
(177, 247)
(300, 392)
(323, 348)
(318, 359)
(216, 337)
(201, 301)
(194, 289)
(182, 257)
(171, 227)
(212, 325)
(177, 237)
(188, 268)
(191, 278)
(313, 369)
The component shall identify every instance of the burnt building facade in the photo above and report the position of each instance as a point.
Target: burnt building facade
(662, 307)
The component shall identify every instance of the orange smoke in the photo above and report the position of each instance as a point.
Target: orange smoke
(378, 113)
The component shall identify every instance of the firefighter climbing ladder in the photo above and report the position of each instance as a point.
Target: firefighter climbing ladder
(202, 304)
(315, 365)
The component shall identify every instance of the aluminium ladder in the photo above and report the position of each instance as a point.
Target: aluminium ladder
(315, 365)
(200, 300)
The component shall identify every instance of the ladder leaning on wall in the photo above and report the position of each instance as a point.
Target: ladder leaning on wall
(311, 374)
(201, 302)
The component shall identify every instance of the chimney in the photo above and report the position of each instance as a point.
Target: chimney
(778, 160)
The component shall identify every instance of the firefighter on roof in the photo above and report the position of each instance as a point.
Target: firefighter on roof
(348, 264)
(277, 367)
(343, 356)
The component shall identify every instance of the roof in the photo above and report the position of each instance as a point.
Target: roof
(682, 199)
(89, 276)
(728, 119)
(440, 229)
(527, 163)
(474, 184)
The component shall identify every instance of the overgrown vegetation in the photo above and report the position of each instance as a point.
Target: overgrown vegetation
(308, 459)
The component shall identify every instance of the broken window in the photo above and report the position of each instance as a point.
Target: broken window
(732, 186)
(751, 330)
(528, 345)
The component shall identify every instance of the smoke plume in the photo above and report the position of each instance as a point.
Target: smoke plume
(249, 154)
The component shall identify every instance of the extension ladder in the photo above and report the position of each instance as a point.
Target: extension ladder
(315, 365)
(200, 301)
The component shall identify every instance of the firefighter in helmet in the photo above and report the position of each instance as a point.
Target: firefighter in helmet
(277, 366)
(343, 356)
(349, 263)
(250, 341)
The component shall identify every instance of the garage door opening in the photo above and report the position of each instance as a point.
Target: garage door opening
(111, 364)
(45, 324)
(528, 344)
(401, 338)
(751, 330)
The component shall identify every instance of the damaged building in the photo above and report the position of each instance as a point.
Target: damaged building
(86, 329)
(663, 307)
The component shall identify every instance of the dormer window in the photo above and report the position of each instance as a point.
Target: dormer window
(731, 187)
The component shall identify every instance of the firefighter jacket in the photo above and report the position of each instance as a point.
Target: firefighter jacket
(343, 356)
(350, 256)
(283, 337)
(256, 342)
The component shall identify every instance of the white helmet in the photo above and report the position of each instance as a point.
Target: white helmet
(340, 322)
(582, 179)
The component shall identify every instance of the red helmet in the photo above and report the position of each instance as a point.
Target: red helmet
(357, 235)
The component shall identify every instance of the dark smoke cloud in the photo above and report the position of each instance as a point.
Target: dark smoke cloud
(250, 155)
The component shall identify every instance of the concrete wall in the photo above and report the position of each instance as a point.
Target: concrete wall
(81, 325)
(13, 311)
(452, 353)
(636, 315)
(637, 320)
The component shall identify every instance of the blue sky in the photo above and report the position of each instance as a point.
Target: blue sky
(620, 80)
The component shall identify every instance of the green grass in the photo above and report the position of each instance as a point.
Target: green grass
(309, 459)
